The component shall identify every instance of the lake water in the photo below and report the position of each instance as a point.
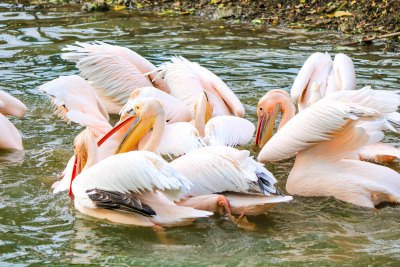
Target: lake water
(39, 227)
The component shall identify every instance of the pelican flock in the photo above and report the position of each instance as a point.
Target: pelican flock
(171, 157)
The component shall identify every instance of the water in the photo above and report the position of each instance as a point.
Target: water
(39, 227)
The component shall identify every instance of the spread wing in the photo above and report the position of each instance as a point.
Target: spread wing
(114, 72)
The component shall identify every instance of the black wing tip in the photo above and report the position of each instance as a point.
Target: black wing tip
(118, 201)
(266, 185)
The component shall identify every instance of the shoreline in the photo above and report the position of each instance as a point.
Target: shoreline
(360, 23)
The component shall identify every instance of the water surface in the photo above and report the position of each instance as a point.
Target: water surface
(39, 227)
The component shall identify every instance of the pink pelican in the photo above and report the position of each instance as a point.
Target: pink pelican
(326, 135)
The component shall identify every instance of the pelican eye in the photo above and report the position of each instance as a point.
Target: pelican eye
(260, 108)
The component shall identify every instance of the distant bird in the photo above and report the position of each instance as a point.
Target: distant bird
(10, 138)
(325, 135)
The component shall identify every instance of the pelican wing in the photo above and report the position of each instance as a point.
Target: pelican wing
(82, 50)
(186, 80)
(348, 119)
(112, 76)
(315, 71)
(385, 102)
(213, 84)
(219, 168)
(77, 101)
(9, 105)
(228, 131)
(175, 110)
(182, 81)
(343, 76)
(131, 172)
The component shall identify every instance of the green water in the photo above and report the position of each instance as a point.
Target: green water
(39, 227)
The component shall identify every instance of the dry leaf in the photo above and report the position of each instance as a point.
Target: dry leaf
(342, 14)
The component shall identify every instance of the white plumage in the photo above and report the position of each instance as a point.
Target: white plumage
(77, 101)
(219, 168)
(178, 139)
(113, 71)
(187, 80)
(132, 172)
(228, 131)
(175, 110)
(327, 133)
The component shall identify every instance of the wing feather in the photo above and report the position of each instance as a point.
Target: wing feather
(175, 110)
(132, 172)
(77, 101)
(220, 168)
(112, 76)
(315, 71)
(178, 139)
(327, 120)
(228, 131)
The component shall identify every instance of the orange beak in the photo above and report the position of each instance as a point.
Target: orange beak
(265, 126)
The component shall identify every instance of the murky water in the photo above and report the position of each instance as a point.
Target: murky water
(39, 227)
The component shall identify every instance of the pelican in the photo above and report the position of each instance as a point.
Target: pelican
(326, 135)
(225, 177)
(136, 188)
(10, 137)
(114, 71)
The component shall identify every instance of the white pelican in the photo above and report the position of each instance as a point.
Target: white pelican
(136, 188)
(225, 177)
(10, 137)
(114, 71)
(187, 80)
(325, 135)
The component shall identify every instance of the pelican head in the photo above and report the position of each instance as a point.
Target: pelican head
(148, 112)
(268, 109)
(85, 151)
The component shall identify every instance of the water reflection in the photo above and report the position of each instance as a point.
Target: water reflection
(38, 227)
